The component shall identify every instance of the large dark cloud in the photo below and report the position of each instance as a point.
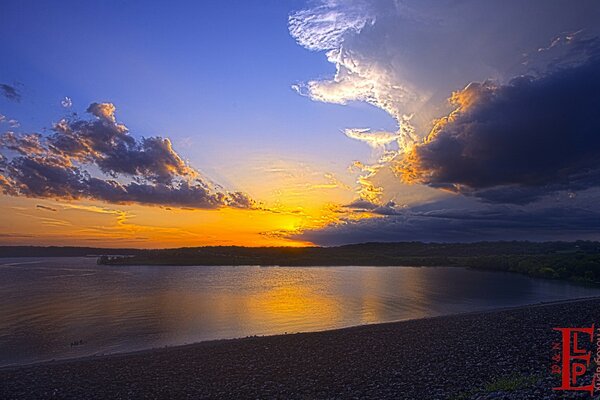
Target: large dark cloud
(146, 170)
(517, 142)
(496, 222)
(10, 92)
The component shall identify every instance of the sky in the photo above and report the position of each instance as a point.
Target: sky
(293, 123)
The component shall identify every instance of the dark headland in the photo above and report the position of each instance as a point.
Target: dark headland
(503, 354)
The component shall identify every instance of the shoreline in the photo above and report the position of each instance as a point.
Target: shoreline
(148, 350)
(434, 357)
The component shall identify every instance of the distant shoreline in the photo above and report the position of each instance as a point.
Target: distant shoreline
(578, 261)
(387, 360)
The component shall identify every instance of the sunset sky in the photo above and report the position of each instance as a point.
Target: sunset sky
(149, 124)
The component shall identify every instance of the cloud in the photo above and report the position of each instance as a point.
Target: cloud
(326, 26)
(145, 171)
(108, 144)
(517, 142)
(345, 31)
(373, 139)
(66, 102)
(462, 225)
(10, 92)
(399, 55)
(406, 57)
(361, 205)
(16, 235)
(28, 144)
(42, 207)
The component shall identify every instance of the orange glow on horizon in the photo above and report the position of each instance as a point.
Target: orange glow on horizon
(297, 197)
(42, 222)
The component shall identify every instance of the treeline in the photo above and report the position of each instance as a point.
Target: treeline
(577, 261)
(580, 267)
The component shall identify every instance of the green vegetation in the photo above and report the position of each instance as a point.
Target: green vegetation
(580, 267)
(509, 383)
(576, 261)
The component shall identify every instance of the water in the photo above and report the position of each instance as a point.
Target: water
(49, 303)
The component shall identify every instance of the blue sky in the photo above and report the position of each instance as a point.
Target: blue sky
(320, 121)
(215, 76)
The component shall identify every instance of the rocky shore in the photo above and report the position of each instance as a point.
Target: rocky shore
(503, 354)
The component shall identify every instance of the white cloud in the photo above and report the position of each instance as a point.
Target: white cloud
(374, 139)
(326, 26)
(66, 102)
(406, 57)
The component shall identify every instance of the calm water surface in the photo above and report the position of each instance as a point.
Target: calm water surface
(48, 303)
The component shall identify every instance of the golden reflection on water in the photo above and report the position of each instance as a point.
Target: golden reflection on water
(294, 301)
(54, 302)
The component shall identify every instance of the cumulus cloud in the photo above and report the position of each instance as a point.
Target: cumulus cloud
(406, 57)
(398, 55)
(145, 171)
(10, 92)
(521, 135)
(519, 141)
(345, 31)
(27, 144)
(108, 144)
